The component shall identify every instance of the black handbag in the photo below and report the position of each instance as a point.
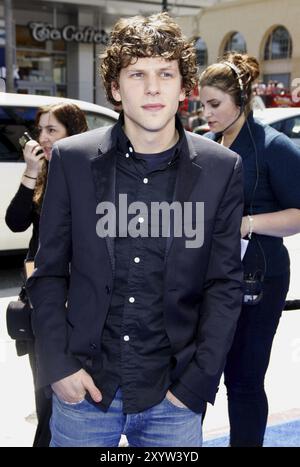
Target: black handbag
(18, 318)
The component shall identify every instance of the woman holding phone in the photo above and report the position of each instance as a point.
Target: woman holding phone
(53, 123)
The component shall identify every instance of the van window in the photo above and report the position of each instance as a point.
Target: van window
(291, 127)
(96, 120)
(13, 122)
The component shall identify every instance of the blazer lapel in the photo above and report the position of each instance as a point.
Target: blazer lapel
(187, 177)
(103, 169)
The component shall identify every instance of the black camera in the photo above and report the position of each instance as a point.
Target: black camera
(252, 289)
(24, 139)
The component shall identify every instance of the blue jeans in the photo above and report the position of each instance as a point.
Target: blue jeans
(84, 425)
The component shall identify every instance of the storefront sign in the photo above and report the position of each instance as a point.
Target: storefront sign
(46, 32)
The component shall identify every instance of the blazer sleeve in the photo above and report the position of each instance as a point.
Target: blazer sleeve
(47, 287)
(283, 159)
(19, 214)
(222, 300)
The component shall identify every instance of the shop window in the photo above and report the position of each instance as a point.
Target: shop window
(41, 65)
(278, 45)
(236, 42)
(34, 66)
(59, 45)
(25, 39)
(201, 52)
(59, 69)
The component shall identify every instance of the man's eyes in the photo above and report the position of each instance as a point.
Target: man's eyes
(136, 75)
(163, 74)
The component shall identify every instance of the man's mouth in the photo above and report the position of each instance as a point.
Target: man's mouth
(153, 107)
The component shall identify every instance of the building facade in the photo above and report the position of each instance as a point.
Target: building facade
(56, 44)
(55, 48)
(267, 29)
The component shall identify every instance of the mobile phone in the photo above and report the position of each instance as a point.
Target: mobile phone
(24, 139)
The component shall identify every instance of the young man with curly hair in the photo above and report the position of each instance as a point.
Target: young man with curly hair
(132, 318)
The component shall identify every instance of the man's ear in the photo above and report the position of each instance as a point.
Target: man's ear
(115, 90)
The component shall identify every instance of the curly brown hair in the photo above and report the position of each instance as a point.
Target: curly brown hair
(153, 36)
(74, 121)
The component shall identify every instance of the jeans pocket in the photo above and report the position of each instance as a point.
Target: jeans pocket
(72, 404)
(171, 404)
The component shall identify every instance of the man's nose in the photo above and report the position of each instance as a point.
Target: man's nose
(152, 86)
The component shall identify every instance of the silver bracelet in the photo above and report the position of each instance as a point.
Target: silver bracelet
(250, 220)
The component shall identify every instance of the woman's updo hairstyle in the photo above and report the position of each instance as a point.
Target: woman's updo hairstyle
(224, 77)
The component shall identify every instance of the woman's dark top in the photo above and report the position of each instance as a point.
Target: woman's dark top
(278, 188)
(21, 213)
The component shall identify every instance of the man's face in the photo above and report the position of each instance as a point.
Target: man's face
(150, 90)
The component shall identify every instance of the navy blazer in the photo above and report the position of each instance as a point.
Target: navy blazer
(271, 163)
(71, 287)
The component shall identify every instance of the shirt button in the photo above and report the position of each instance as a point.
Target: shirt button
(126, 338)
(141, 220)
(137, 259)
(126, 155)
(145, 180)
(131, 299)
(130, 149)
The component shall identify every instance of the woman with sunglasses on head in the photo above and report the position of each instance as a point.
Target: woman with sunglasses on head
(271, 164)
(52, 122)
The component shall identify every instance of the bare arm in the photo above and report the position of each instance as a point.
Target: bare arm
(276, 224)
(33, 163)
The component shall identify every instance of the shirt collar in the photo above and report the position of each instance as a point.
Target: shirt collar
(125, 147)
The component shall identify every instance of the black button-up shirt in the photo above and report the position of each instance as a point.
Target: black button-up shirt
(136, 352)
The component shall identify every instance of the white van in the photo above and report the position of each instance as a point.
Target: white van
(17, 114)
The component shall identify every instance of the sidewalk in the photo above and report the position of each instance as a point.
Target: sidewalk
(17, 421)
(282, 381)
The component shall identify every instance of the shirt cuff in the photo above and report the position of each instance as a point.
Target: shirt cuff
(188, 398)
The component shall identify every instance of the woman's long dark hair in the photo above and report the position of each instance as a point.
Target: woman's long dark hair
(74, 121)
